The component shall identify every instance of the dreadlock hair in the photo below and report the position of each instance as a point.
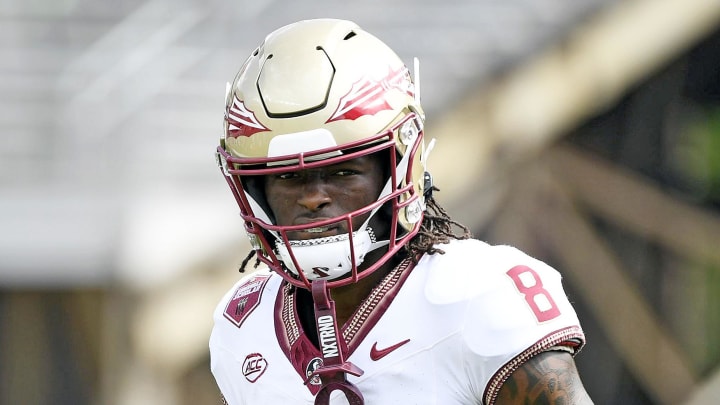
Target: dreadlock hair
(246, 260)
(436, 228)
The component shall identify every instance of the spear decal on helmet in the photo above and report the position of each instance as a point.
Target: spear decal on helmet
(241, 121)
(366, 96)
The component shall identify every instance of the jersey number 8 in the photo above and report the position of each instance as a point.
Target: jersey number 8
(529, 284)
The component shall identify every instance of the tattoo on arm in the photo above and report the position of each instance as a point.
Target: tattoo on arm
(548, 378)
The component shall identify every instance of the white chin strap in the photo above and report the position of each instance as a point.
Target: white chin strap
(330, 257)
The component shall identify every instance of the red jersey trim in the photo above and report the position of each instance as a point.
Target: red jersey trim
(368, 314)
(297, 347)
(562, 337)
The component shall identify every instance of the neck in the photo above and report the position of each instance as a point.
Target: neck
(349, 297)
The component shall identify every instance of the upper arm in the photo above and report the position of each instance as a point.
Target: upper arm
(548, 378)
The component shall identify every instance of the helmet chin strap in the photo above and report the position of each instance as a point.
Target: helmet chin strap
(334, 369)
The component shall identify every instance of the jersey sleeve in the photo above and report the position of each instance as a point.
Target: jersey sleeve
(526, 313)
(515, 308)
(522, 304)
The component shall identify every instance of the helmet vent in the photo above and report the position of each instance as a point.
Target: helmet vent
(349, 35)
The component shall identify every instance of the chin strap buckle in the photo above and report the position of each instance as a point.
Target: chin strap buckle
(334, 369)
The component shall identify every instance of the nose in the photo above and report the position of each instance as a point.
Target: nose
(314, 195)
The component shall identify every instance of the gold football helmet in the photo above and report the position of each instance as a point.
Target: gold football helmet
(315, 93)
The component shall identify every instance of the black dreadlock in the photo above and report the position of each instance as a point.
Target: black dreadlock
(436, 228)
(245, 261)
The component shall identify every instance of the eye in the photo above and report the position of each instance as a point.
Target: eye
(345, 172)
(286, 176)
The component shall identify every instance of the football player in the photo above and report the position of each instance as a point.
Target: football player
(368, 292)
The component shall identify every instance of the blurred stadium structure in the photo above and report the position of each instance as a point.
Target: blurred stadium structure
(588, 131)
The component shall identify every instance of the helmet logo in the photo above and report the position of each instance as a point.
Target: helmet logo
(366, 96)
(241, 121)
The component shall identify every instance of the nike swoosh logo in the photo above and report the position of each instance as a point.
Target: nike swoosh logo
(377, 354)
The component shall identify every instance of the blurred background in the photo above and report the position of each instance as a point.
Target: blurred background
(585, 132)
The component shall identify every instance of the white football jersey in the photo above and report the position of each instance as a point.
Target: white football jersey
(447, 331)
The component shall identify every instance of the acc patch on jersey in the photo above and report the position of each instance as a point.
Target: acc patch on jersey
(254, 366)
(245, 299)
